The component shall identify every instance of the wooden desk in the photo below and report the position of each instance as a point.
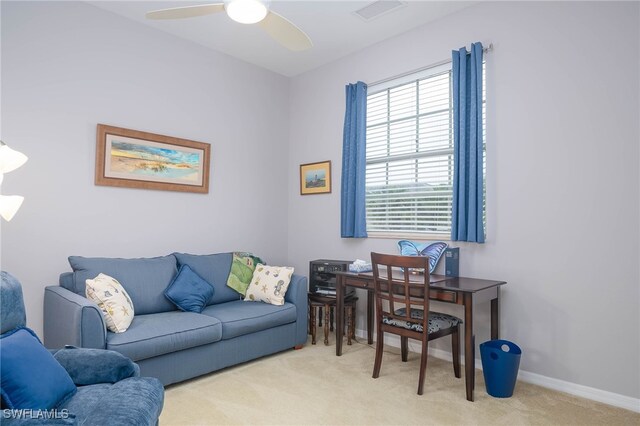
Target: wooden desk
(457, 290)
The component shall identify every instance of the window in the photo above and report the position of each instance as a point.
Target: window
(409, 175)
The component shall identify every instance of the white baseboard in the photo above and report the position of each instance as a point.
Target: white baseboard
(582, 391)
(594, 394)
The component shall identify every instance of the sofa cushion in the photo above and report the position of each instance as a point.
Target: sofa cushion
(157, 334)
(145, 279)
(31, 377)
(189, 291)
(132, 401)
(214, 268)
(239, 318)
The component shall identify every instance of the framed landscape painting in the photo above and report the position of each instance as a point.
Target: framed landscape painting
(134, 159)
(315, 178)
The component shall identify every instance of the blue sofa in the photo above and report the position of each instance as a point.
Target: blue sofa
(108, 387)
(165, 342)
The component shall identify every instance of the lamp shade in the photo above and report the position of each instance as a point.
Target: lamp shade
(9, 205)
(10, 159)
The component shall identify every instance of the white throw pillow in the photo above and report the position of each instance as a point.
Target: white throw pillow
(113, 300)
(269, 284)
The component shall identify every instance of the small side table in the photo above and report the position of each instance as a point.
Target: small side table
(328, 303)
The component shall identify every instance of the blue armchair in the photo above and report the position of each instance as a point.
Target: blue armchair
(108, 389)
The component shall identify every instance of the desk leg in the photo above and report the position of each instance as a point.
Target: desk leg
(469, 347)
(370, 317)
(339, 314)
(495, 318)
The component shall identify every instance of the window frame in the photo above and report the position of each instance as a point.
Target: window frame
(415, 77)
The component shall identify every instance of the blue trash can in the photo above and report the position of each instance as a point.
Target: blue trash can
(500, 362)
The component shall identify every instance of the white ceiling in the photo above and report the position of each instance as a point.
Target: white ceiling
(332, 26)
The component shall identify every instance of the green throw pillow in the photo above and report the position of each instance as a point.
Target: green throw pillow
(242, 268)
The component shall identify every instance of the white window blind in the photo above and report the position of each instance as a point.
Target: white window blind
(409, 171)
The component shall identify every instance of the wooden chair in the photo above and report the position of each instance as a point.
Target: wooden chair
(406, 310)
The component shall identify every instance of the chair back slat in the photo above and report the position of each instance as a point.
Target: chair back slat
(395, 284)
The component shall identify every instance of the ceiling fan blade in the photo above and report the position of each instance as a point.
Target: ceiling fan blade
(186, 11)
(285, 33)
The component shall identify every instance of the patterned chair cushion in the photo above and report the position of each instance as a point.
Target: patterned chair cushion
(437, 321)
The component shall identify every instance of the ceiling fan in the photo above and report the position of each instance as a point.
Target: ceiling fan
(245, 12)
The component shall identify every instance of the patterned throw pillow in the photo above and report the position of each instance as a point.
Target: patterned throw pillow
(113, 300)
(242, 267)
(269, 284)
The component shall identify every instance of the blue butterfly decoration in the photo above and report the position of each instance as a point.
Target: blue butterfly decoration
(433, 250)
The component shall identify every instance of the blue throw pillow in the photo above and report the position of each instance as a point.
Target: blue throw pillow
(31, 377)
(433, 250)
(189, 291)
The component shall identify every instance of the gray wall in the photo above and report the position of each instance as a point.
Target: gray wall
(67, 66)
(562, 177)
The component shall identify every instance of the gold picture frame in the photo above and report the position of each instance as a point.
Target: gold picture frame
(315, 178)
(134, 159)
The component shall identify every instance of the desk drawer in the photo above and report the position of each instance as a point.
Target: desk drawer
(358, 282)
(444, 296)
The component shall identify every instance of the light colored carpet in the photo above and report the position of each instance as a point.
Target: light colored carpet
(312, 386)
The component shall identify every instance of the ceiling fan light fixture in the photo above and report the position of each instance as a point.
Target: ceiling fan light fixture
(246, 11)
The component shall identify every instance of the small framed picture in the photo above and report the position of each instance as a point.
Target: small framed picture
(315, 178)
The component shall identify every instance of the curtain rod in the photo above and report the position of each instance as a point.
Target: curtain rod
(404, 74)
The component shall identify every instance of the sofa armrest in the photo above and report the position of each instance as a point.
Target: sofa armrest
(70, 319)
(297, 294)
(92, 366)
